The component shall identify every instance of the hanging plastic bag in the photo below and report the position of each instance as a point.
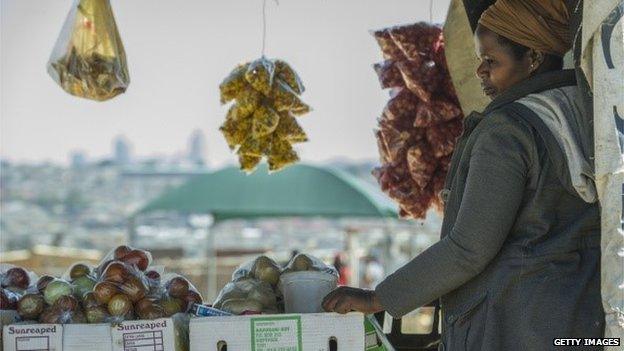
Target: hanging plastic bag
(88, 59)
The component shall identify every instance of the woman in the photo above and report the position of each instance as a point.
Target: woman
(518, 261)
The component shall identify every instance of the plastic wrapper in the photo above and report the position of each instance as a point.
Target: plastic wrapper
(388, 47)
(289, 129)
(89, 59)
(261, 124)
(281, 155)
(286, 99)
(393, 140)
(261, 268)
(233, 84)
(438, 111)
(248, 163)
(419, 126)
(417, 41)
(284, 72)
(442, 137)
(304, 262)
(247, 296)
(421, 164)
(388, 74)
(17, 279)
(403, 105)
(121, 283)
(260, 74)
(422, 78)
(178, 287)
(264, 122)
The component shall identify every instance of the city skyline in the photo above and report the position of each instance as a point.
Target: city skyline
(177, 58)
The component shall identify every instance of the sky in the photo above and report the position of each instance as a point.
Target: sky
(178, 53)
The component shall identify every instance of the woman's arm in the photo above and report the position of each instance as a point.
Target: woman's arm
(494, 189)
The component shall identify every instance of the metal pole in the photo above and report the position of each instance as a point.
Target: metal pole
(211, 258)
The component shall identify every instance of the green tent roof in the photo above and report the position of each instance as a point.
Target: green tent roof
(300, 190)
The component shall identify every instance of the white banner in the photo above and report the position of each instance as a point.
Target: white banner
(603, 65)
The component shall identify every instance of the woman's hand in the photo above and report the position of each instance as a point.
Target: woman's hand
(346, 299)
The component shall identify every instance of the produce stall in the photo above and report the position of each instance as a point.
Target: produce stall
(299, 191)
(124, 303)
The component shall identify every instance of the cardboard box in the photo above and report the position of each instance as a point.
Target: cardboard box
(30, 337)
(6, 317)
(288, 332)
(156, 335)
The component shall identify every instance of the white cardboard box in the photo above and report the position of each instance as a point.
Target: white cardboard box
(156, 335)
(288, 332)
(6, 317)
(27, 337)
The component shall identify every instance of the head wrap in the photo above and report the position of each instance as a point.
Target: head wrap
(542, 25)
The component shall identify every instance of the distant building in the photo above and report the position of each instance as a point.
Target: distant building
(121, 150)
(78, 159)
(197, 148)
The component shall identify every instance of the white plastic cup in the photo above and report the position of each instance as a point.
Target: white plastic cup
(304, 291)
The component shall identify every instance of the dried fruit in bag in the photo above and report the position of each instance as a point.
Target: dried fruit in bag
(248, 163)
(264, 122)
(284, 72)
(233, 84)
(263, 114)
(281, 155)
(89, 59)
(436, 112)
(422, 79)
(236, 131)
(388, 74)
(285, 99)
(247, 102)
(260, 75)
(388, 47)
(421, 164)
(417, 41)
(290, 130)
(255, 147)
(442, 137)
(403, 104)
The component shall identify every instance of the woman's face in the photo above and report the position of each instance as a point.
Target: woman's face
(498, 68)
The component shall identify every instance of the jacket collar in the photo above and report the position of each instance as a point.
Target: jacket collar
(536, 84)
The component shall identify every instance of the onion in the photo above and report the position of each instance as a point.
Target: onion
(16, 277)
(30, 306)
(66, 303)
(172, 305)
(136, 258)
(96, 314)
(266, 270)
(55, 290)
(193, 297)
(83, 285)
(52, 315)
(104, 291)
(89, 300)
(153, 279)
(115, 272)
(154, 311)
(121, 251)
(79, 270)
(8, 299)
(178, 287)
(43, 282)
(119, 305)
(134, 288)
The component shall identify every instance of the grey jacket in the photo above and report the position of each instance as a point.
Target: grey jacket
(518, 263)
